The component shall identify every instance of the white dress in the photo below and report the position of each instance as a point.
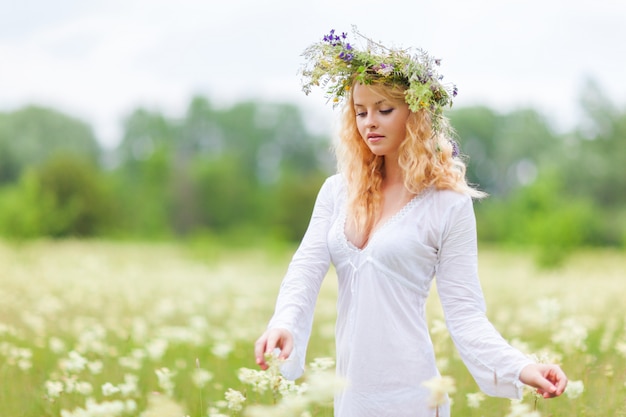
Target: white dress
(383, 346)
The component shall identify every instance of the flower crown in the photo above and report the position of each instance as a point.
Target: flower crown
(335, 65)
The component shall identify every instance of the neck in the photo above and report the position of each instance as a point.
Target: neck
(393, 174)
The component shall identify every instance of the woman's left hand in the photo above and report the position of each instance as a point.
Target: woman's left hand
(549, 380)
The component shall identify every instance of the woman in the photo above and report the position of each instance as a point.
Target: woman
(398, 214)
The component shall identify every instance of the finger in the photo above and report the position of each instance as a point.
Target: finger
(558, 378)
(259, 351)
(545, 387)
(287, 348)
(560, 381)
(273, 341)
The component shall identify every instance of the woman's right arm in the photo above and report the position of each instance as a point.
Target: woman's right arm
(290, 327)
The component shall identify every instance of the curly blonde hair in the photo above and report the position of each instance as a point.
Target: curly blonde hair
(425, 158)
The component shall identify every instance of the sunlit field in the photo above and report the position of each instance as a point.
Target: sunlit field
(164, 330)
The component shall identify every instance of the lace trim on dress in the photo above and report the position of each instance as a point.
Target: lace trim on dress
(343, 216)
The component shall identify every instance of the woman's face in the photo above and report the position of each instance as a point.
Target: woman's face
(380, 120)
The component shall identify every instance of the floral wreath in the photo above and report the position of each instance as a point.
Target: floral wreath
(335, 65)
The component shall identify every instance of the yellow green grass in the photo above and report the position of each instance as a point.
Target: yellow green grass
(147, 328)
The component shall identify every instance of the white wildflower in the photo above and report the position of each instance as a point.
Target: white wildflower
(260, 381)
(130, 406)
(322, 364)
(574, 389)
(109, 389)
(70, 384)
(129, 386)
(92, 408)
(620, 347)
(222, 349)
(164, 375)
(235, 399)
(161, 405)
(440, 387)
(74, 363)
(198, 322)
(24, 364)
(156, 348)
(6, 329)
(438, 327)
(443, 363)
(95, 367)
(571, 336)
(129, 362)
(549, 309)
(54, 388)
(114, 408)
(474, 399)
(56, 345)
(519, 409)
(288, 387)
(93, 339)
(83, 388)
(322, 386)
(606, 341)
(201, 377)
(215, 412)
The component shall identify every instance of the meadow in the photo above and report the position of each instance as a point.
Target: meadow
(102, 329)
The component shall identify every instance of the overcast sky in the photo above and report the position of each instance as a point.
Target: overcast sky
(100, 59)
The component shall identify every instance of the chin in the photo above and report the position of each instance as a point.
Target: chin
(377, 152)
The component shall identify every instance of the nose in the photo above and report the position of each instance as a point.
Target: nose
(371, 121)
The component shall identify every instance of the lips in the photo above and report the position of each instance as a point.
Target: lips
(374, 137)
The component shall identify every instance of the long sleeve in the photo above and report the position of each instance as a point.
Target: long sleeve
(300, 287)
(493, 363)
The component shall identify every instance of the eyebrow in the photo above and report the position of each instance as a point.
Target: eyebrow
(375, 104)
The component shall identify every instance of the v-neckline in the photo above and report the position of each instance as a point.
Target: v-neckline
(384, 225)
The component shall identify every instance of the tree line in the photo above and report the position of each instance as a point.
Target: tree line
(254, 170)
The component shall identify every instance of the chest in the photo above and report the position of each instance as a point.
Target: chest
(394, 201)
(406, 242)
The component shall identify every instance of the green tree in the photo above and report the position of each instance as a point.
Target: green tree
(64, 196)
(32, 135)
(142, 174)
(594, 158)
(219, 168)
(538, 216)
(505, 151)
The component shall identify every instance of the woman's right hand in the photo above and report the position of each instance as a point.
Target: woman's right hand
(270, 340)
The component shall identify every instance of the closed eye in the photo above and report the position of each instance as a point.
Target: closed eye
(364, 113)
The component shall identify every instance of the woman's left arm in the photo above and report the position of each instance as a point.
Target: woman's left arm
(498, 368)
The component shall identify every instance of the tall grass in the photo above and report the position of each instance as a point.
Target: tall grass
(90, 327)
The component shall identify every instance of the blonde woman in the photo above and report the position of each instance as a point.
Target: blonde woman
(397, 215)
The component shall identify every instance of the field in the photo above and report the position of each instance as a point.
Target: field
(167, 330)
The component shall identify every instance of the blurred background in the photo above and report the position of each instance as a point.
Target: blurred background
(160, 120)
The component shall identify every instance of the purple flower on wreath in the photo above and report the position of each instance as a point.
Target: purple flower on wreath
(383, 69)
(331, 38)
(345, 56)
(455, 91)
(455, 148)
